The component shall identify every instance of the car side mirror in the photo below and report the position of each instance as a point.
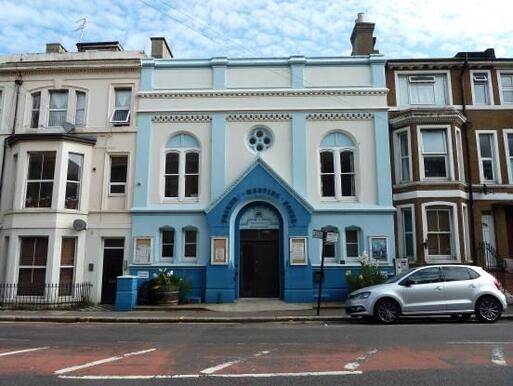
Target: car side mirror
(407, 283)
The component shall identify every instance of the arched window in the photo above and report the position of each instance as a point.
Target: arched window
(181, 169)
(337, 160)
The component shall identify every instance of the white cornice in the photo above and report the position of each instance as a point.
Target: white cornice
(423, 115)
(166, 118)
(339, 116)
(262, 93)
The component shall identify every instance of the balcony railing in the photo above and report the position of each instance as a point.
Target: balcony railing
(44, 296)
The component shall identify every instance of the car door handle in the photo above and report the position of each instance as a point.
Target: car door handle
(438, 288)
(472, 286)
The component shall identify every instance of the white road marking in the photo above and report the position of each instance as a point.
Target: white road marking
(479, 342)
(177, 376)
(213, 369)
(359, 360)
(498, 356)
(101, 361)
(4, 354)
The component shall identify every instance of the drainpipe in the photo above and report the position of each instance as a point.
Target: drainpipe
(465, 127)
(17, 84)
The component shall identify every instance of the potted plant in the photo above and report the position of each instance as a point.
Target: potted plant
(370, 274)
(166, 287)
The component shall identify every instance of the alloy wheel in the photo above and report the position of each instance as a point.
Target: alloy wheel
(488, 310)
(387, 311)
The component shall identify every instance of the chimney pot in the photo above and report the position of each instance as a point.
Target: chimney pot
(160, 49)
(55, 48)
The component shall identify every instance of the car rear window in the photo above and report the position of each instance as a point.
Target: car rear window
(458, 273)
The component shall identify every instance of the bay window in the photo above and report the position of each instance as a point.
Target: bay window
(73, 178)
(434, 154)
(405, 222)
(403, 156)
(36, 108)
(509, 154)
(440, 233)
(40, 176)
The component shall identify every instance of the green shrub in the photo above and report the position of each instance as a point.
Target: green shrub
(370, 274)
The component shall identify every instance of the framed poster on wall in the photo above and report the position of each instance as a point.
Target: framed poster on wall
(142, 250)
(298, 254)
(378, 247)
(219, 251)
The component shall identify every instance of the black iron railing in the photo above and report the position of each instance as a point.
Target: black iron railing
(44, 296)
(492, 263)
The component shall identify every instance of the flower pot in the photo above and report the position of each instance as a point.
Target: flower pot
(168, 297)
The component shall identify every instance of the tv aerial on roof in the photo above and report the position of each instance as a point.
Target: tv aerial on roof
(68, 127)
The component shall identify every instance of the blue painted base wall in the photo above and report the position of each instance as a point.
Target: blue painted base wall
(196, 275)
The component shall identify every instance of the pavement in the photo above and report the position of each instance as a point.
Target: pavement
(413, 352)
(242, 311)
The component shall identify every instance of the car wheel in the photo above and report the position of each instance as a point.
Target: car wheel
(461, 317)
(387, 311)
(488, 309)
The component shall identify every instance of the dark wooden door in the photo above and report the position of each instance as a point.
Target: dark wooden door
(259, 264)
(112, 268)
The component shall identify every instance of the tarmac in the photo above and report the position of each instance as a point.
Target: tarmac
(244, 311)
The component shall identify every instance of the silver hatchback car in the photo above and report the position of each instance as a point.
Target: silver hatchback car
(456, 290)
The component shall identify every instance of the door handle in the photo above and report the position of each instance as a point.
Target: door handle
(472, 286)
(438, 288)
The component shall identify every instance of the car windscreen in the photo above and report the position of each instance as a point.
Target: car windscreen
(396, 278)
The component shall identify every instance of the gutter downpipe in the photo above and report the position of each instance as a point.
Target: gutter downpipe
(469, 164)
(18, 82)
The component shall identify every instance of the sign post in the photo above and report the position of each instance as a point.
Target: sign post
(328, 236)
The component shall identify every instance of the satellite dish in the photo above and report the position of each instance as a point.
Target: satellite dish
(68, 127)
(79, 225)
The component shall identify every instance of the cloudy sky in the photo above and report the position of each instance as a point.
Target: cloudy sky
(249, 28)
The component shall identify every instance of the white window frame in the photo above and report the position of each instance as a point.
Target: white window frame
(398, 156)
(337, 173)
(32, 266)
(401, 231)
(113, 104)
(466, 233)
(74, 259)
(79, 182)
(454, 233)
(509, 159)
(459, 155)
(67, 91)
(182, 153)
(31, 111)
(337, 257)
(499, 83)
(450, 161)
(125, 184)
(417, 73)
(2, 97)
(195, 258)
(76, 92)
(489, 87)
(161, 240)
(351, 259)
(27, 180)
(495, 158)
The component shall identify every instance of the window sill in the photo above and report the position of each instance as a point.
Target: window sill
(341, 199)
(168, 200)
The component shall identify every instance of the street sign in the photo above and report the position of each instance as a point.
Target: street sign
(317, 234)
(331, 237)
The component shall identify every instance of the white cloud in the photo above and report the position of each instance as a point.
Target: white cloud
(198, 28)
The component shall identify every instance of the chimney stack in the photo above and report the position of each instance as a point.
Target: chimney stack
(55, 48)
(362, 40)
(160, 49)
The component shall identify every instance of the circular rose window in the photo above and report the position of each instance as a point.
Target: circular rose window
(260, 139)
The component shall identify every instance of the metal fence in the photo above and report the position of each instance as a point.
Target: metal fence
(44, 296)
(492, 263)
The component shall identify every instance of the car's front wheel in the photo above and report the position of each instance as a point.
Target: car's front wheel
(488, 309)
(387, 311)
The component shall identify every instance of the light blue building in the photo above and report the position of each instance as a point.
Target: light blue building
(239, 160)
